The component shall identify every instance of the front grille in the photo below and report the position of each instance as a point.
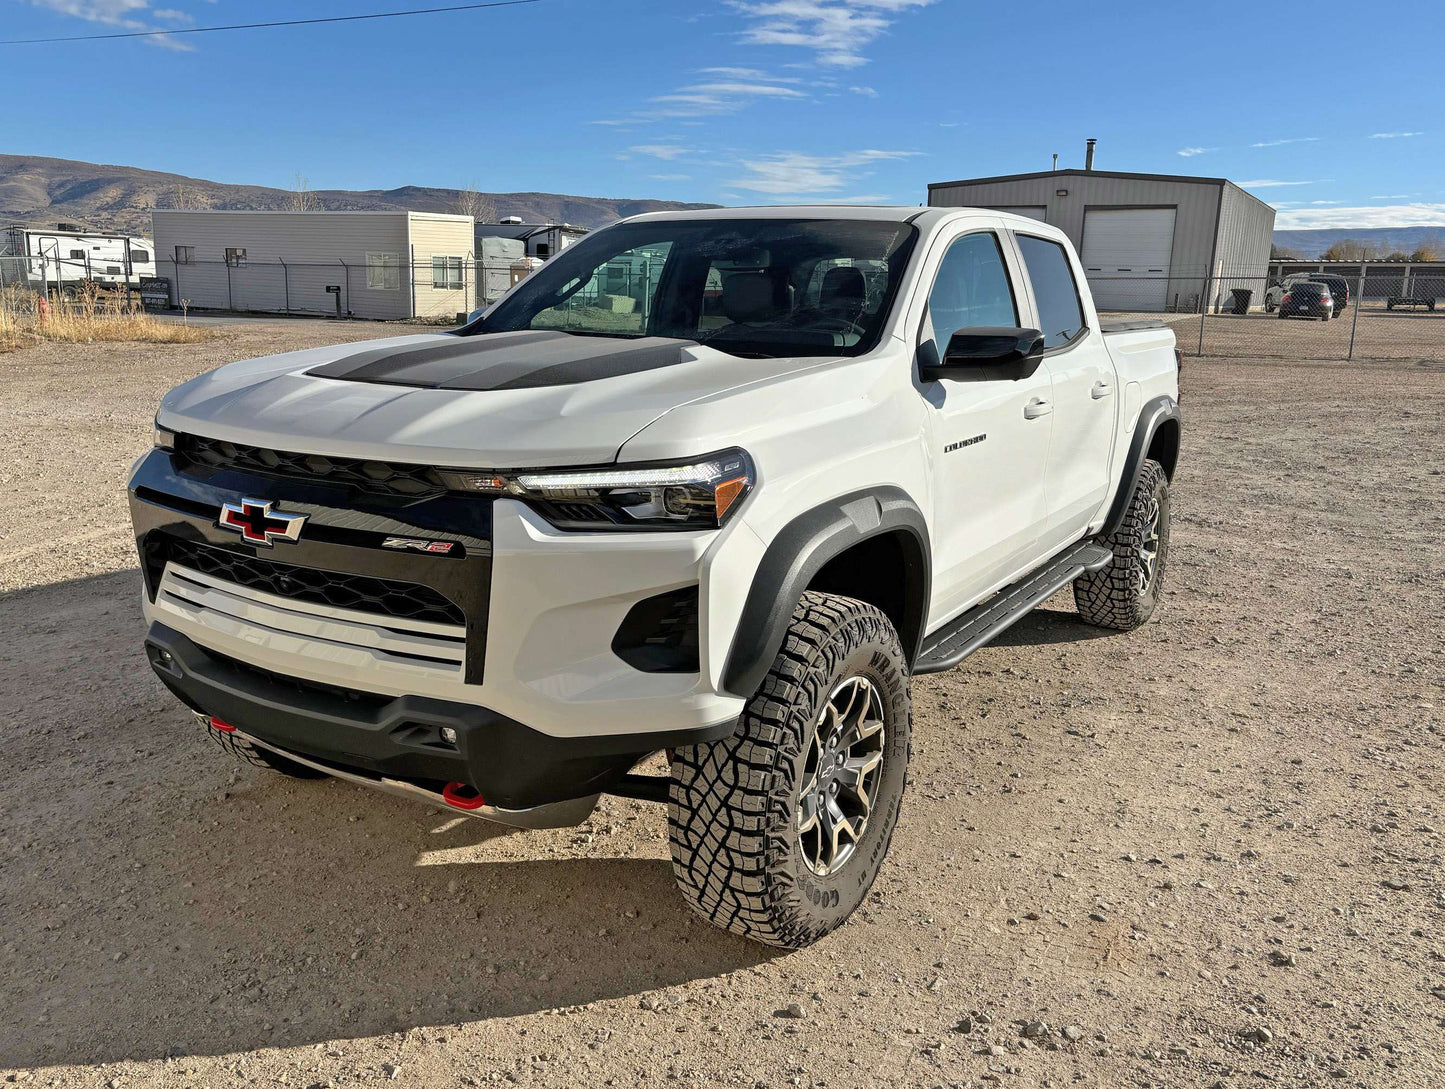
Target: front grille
(387, 597)
(380, 477)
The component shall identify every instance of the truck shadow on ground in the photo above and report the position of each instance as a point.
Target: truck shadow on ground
(163, 900)
(1058, 623)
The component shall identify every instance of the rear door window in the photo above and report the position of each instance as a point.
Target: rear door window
(1061, 315)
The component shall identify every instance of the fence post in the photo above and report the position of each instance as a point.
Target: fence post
(345, 287)
(1203, 312)
(1355, 323)
(286, 282)
(230, 302)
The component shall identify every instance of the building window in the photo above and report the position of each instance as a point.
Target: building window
(544, 251)
(236, 258)
(185, 255)
(446, 273)
(77, 255)
(383, 272)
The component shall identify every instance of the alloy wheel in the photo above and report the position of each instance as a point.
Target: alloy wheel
(840, 775)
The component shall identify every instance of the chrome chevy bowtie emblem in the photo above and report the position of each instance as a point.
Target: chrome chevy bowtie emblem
(257, 523)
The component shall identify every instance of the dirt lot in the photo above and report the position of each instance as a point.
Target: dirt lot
(1114, 833)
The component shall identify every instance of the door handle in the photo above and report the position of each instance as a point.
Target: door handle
(1101, 389)
(1036, 408)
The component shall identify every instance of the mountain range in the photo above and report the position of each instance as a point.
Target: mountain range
(38, 192)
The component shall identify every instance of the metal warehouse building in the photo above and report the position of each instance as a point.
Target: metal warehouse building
(1149, 242)
(382, 265)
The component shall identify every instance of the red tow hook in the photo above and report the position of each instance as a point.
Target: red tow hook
(224, 727)
(461, 796)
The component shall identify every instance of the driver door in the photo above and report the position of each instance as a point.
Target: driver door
(989, 434)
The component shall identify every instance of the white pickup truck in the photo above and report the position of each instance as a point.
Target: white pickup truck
(709, 483)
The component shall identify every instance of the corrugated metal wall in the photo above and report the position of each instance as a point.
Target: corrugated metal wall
(291, 258)
(1246, 228)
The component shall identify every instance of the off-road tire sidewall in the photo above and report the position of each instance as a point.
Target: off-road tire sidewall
(733, 813)
(1110, 597)
(258, 757)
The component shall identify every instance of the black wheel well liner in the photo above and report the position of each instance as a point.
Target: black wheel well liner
(1156, 438)
(872, 545)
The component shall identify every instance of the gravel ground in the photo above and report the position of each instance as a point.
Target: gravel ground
(1205, 853)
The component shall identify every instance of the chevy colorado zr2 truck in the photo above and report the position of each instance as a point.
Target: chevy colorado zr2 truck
(716, 484)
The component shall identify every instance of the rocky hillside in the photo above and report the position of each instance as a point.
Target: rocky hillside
(36, 190)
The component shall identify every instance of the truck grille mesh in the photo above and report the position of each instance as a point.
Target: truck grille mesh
(382, 477)
(386, 597)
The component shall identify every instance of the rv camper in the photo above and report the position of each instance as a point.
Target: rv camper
(68, 256)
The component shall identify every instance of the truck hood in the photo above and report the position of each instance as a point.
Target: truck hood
(502, 400)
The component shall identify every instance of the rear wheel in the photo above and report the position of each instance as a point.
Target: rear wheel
(779, 830)
(1123, 594)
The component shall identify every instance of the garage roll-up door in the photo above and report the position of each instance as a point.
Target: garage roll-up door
(1030, 210)
(1126, 256)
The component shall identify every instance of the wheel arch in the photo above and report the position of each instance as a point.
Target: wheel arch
(871, 544)
(1156, 437)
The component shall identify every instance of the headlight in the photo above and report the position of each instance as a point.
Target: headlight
(162, 439)
(697, 494)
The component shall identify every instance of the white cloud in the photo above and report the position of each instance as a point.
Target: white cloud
(1393, 135)
(122, 15)
(172, 15)
(1363, 218)
(1287, 140)
(763, 90)
(836, 31)
(793, 174)
(866, 92)
(1271, 183)
(660, 151)
(1190, 152)
(671, 177)
(748, 74)
(1394, 196)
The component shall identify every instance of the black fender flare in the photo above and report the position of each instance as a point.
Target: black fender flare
(1155, 414)
(800, 550)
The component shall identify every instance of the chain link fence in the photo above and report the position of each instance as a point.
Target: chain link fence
(1285, 316)
(389, 289)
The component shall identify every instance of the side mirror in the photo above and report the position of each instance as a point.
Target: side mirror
(1002, 350)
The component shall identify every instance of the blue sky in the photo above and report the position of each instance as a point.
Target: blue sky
(1335, 120)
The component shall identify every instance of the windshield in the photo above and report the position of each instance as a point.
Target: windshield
(751, 287)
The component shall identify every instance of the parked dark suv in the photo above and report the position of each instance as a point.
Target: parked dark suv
(1339, 289)
(1307, 299)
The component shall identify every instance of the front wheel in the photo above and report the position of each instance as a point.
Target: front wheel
(779, 830)
(1123, 594)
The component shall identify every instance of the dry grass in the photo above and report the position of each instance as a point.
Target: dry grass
(28, 318)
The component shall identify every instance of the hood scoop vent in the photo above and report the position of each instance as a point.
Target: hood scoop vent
(502, 361)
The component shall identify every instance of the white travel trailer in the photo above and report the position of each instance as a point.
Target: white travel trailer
(68, 256)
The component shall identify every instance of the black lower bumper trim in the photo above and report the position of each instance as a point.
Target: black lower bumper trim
(512, 765)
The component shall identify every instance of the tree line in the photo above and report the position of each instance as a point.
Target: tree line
(1350, 249)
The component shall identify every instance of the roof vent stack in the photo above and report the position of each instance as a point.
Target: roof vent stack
(1089, 153)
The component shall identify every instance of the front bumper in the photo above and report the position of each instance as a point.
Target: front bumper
(522, 620)
(399, 739)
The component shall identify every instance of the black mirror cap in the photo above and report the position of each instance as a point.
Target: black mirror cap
(987, 346)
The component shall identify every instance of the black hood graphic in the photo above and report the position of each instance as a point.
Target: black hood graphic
(502, 361)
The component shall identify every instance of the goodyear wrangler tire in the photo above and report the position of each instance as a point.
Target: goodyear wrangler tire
(1123, 594)
(261, 758)
(779, 830)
